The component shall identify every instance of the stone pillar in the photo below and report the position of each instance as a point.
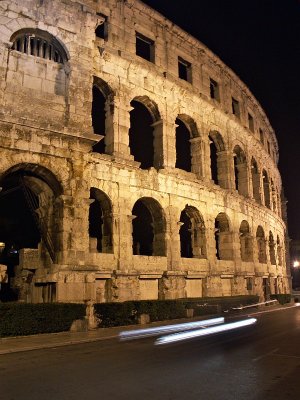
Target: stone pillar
(119, 124)
(169, 144)
(225, 170)
(243, 181)
(206, 158)
(124, 232)
(173, 240)
(197, 150)
(158, 144)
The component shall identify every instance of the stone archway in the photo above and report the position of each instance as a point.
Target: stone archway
(148, 228)
(29, 223)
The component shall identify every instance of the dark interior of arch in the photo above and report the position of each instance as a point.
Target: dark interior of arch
(183, 147)
(141, 135)
(213, 162)
(217, 238)
(186, 247)
(142, 230)
(98, 118)
(236, 173)
(18, 226)
(96, 222)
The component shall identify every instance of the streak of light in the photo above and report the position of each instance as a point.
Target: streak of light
(176, 337)
(140, 333)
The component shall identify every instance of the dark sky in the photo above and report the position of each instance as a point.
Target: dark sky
(260, 41)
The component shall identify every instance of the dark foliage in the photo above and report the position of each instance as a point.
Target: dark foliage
(19, 319)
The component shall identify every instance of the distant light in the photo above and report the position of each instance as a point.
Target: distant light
(296, 264)
(140, 333)
(176, 337)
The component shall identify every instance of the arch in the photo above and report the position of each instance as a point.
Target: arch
(150, 105)
(218, 164)
(29, 217)
(266, 187)
(272, 249)
(192, 234)
(100, 222)
(255, 181)
(102, 115)
(148, 228)
(37, 170)
(223, 238)
(240, 170)
(246, 242)
(39, 43)
(145, 139)
(261, 245)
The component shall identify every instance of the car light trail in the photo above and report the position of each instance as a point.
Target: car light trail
(176, 337)
(140, 333)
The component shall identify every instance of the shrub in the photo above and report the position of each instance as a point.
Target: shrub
(282, 298)
(27, 319)
(127, 313)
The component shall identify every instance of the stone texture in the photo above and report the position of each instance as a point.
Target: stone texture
(46, 132)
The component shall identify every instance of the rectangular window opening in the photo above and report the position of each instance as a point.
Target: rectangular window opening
(235, 107)
(145, 47)
(261, 135)
(102, 29)
(184, 70)
(214, 90)
(250, 122)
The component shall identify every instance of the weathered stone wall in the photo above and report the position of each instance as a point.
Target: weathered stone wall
(46, 131)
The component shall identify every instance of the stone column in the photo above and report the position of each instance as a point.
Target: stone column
(173, 240)
(158, 144)
(118, 129)
(169, 144)
(225, 169)
(197, 152)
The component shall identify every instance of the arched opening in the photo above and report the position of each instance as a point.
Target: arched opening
(100, 222)
(28, 220)
(261, 245)
(272, 249)
(102, 115)
(143, 136)
(148, 228)
(255, 181)
(240, 171)
(223, 238)
(218, 162)
(192, 234)
(39, 43)
(266, 186)
(246, 242)
(183, 146)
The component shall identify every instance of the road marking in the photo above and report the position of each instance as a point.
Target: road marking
(269, 311)
(265, 355)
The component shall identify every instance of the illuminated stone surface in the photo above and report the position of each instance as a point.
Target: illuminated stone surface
(126, 221)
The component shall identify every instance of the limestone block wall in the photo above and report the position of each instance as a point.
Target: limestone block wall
(148, 175)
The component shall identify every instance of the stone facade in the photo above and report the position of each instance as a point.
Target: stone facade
(146, 167)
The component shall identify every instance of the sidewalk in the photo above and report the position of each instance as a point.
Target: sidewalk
(48, 340)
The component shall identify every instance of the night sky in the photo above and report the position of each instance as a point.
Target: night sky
(260, 41)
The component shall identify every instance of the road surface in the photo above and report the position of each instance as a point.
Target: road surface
(260, 362)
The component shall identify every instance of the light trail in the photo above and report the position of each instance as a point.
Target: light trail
(176, 337)
(140, 333)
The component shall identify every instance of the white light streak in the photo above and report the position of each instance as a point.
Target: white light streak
(176, 337)
(140, 333)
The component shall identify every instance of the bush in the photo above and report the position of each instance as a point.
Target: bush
(282, 298)
(127, 313)
(27, 319)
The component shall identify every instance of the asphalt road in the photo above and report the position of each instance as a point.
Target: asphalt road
(259, 362)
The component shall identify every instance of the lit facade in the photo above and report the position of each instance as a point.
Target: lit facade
(143, 167)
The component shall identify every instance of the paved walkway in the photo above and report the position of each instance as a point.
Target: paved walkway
(47, 340)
